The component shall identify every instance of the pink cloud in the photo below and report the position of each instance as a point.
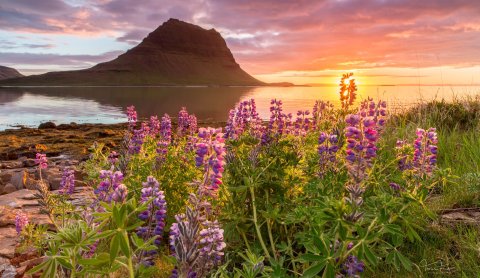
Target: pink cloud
(271, 36)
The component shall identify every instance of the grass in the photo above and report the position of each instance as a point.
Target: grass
(448, 250)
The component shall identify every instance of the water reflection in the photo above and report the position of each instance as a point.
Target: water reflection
(30, 106)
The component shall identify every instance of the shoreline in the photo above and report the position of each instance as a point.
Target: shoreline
(72, 140)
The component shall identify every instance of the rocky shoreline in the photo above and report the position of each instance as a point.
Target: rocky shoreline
(65, 145)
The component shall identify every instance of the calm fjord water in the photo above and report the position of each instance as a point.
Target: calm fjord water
(31, 106)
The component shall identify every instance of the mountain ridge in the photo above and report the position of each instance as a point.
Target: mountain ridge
(6, 73)
(175, 53)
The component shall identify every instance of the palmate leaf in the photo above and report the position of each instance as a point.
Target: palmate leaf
(315, 269)
(365, 252)
(100, 259)
(49, 268)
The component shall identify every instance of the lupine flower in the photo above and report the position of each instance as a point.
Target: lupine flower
(156, 213)
(361, 136)
(196, 242)
(166, 128)
(136, 142)
(21, 220)
(211, 241)
(395, 186)
(210, 154)
(327, 151)
(162, 150)
(302, 123)
(352, 266)
(67, 184)
(276, 125)
(376, 111)
(110, 181)
(119, 195)
(243, 118)
(41, 160)
(113, 157)
(403, 151)
(132, 117)
(348, 90)
(187, 124)
(154, 126)
(322, 111)
(192, 124)
(425, 154)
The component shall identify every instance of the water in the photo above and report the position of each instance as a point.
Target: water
(31, 106)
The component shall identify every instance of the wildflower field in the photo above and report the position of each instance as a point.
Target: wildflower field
(352, 191)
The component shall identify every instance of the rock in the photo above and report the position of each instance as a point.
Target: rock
(11, 164)
(5, 176)
(23, 179)
(54, 183)
(47, 125)
(8, 271)
(29, 163)
(9, 188)
(19, 179)
(8, 240)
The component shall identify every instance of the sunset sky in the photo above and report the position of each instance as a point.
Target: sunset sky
(382, 41)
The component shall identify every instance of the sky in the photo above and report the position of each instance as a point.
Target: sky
(416, 42)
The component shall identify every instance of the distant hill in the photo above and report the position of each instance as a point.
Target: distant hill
(6, 72)
(176, 53)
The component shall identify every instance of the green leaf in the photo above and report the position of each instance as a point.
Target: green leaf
(39, 267)
(116, 216)
(312, 258)
(406, 263)
(329, 271)
(314, 269)
(124, 243)
(114, 246)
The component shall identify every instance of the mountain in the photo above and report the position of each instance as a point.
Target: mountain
(6, 72)
(176, 53)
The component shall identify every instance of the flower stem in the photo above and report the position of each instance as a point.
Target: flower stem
(255, 222)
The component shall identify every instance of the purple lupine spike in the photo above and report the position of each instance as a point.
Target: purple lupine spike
(166, 128)
(162, 151)
(183, 122)
(67, 184)
(41, 160)
(21, 220)
(110, 181)
(425, 151)
(136, 142)
(192, 124)
(119, 195)
(113, 157)
(244, 118)
(154, 126)
(156, 212)
(211, 241)
(327, 151)
(302, 123)
(322, 111)
(352, 266)
(361, 134)
(210, 154)
(276, 124)
(196, 242)
(132, 117)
